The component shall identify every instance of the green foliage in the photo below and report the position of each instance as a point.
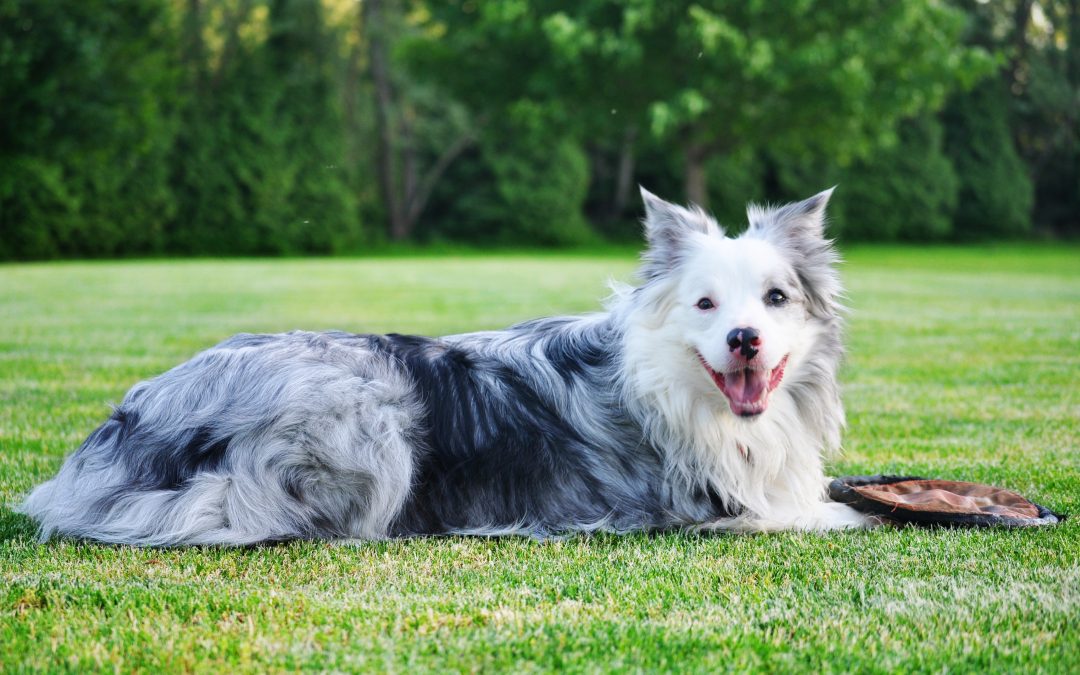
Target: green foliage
(136, 127)
(36, 208)
(258, 174)
(497, 61)
(995, 197)
(904, 191)
(519, 187)
(736, 179)
(542, 186)
(108, 148)
(718, 83)
(1046, 125)
(790, 77)
(87, 90)
(1016, 142)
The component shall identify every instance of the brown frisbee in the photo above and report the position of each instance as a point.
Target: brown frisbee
(925, 501)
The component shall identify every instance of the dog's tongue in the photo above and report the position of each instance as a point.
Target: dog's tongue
(745, 389)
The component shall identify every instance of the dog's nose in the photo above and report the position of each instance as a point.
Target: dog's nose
(746, 340)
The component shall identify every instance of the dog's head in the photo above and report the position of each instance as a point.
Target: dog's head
(749, 310)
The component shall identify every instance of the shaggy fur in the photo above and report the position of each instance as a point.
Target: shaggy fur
(666, 411)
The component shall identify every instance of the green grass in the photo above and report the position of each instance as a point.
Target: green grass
(962, 364)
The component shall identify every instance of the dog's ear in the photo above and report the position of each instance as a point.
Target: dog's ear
(667, 229)
(799, 230)
(791, 223)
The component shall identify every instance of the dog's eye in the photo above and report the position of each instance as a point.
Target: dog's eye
(776, 297)
(705, 304)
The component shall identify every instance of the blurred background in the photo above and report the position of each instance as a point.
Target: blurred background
(285, 127)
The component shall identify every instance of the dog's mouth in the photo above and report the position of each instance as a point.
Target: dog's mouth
(747, 389)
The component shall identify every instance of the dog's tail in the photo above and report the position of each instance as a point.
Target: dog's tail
(112, 492)
(71, 506)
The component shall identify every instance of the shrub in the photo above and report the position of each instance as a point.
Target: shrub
(996, 193)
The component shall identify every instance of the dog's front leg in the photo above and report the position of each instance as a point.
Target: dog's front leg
(816, 517)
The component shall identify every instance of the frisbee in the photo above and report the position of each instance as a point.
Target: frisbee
(927, 502)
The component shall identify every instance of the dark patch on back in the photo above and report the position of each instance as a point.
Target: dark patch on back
(104, 434)
(205, 452)
(202, 452)
(496, 453)
(160, 465)
(573, 358)
(110, 437)
(128, 421)
(154, 462)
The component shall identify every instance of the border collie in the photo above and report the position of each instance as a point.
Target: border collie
(704, 398)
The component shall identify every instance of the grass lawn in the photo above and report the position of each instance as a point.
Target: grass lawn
(962, 364)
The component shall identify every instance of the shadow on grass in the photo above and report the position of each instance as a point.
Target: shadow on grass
(15, 526)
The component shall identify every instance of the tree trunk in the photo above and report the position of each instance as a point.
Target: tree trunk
(696, 184)
(232, 43)
(349, 94)
(1018, 60)
(1021, 19)
(194, 49)
(374, 19)
(409, 176)
(426, 185)
(404, 187)
(624, 177)
(1072, 50)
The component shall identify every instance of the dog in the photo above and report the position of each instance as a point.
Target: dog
(704, 398)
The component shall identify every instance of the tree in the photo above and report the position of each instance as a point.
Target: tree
(906, 190)
(86, 127)
(715, 77)
(406, 187)
(1040, 43)
(995, 190)
(259, 165)
(799, 78)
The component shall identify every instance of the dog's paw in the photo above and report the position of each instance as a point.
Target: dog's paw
(836, 516)
(819, 517)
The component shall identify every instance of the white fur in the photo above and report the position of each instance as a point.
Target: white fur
(772, 465)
